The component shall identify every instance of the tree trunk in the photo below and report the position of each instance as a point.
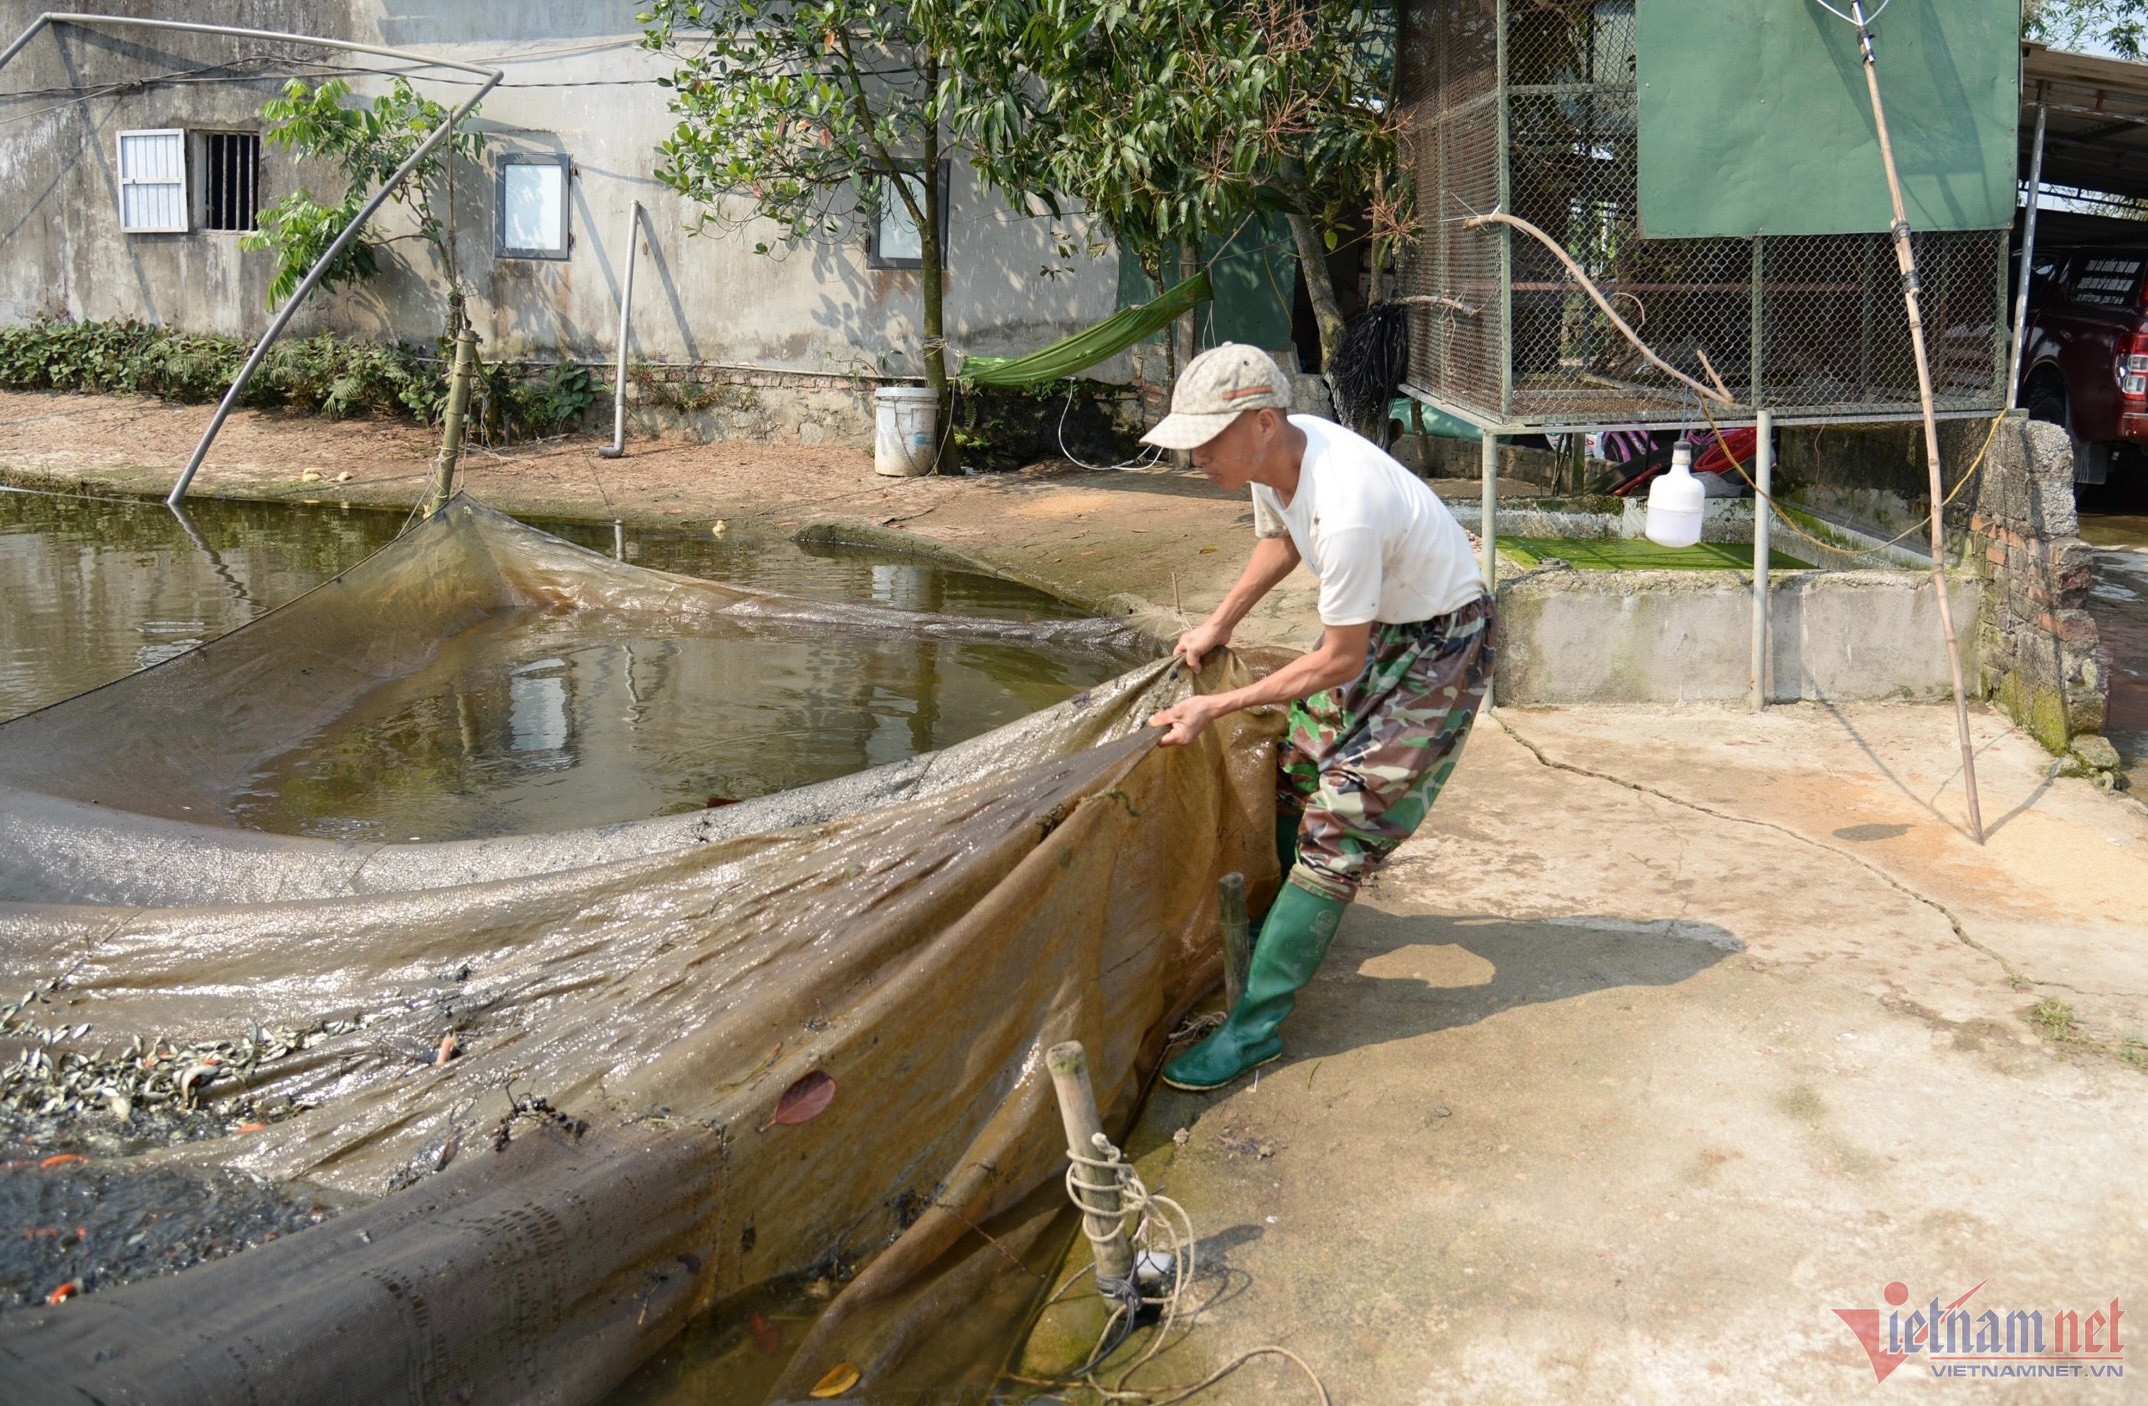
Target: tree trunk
(1313, 261)
(1313, 265)
(1189, 327)
(933, 276)
(1187, 331)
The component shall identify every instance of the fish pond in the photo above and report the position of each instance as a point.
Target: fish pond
(537, 721)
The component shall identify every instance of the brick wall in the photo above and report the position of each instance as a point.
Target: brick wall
(2038, 643)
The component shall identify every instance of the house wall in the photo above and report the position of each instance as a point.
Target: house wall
(805, 328)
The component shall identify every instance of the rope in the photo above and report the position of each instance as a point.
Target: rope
(1861, 555)
(1150, 1214)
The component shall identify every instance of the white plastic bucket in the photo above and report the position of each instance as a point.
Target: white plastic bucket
(1677, 501)
(906, 430)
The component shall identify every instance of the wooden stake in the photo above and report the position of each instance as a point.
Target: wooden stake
(1237, 937)
(1906, 259)
(458, 405)
(1107, 1231)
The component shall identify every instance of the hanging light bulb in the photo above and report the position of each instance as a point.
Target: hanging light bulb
(1676, 501)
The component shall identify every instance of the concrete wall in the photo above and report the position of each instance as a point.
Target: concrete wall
(577, 84)
(1571, 636)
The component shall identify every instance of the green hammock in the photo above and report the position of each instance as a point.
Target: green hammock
(1090, 345)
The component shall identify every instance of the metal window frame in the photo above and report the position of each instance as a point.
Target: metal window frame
(873, 257)
(119, 165)
(501, 249)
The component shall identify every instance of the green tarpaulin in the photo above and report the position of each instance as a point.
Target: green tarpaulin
(1086, 348)
(1754, 117)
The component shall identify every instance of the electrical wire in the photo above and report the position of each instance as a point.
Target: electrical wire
(1149, 1213)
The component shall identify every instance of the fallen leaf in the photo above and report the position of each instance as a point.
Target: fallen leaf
(839, 1380)
(67, 1291)
(62, 1159)
(805, 1100)
(1206, 550)
(765, 1335)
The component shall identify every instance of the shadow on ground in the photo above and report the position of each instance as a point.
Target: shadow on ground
(1393, 977)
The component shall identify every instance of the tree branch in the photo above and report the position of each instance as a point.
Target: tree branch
(1718, 393)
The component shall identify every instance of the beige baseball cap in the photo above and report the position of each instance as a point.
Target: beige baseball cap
(1213, 389)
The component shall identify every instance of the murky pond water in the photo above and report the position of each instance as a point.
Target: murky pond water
(523, 723)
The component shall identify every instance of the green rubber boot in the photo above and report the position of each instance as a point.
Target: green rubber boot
(1293, 939)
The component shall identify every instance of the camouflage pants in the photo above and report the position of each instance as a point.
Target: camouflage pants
(1363, 763)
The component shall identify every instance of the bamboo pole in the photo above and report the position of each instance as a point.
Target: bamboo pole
(1237, 937)
(1906, 260)
(458, 405)
(1099, 1188)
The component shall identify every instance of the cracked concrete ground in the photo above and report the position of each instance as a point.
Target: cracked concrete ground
(1672, 1032)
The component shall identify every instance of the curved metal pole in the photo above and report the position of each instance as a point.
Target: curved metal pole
(626, 313)
(313, 278)
(492, 77)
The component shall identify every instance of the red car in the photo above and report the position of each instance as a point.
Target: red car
(2084, 363)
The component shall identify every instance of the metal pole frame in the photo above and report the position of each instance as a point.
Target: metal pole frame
(1763, 505)
(492, 77)
(617, 447)
(2028, 250)
(1488, 521)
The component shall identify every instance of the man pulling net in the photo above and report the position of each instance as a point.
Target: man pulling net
(1378, 712)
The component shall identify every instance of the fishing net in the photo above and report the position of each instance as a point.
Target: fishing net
(549, 1097)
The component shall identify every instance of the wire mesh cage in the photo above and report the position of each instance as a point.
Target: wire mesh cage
(1529, 107)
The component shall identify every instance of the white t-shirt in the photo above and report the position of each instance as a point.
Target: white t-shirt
(1382, 543)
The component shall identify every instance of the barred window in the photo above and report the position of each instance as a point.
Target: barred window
(230, 167)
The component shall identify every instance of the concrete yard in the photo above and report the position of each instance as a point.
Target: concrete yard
(1671, 1033)
(1674, 1031)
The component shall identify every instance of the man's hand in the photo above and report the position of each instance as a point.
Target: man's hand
(1200, 641)
(1182, 722)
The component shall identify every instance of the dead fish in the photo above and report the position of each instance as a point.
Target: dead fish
(203, 1074)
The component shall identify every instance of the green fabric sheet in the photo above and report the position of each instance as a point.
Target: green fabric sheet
(1754, 117)
(1086, 348)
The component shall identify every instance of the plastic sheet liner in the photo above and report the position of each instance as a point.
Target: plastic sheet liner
(918, 935)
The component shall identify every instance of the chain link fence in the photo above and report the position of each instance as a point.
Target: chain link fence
(1530, 107)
